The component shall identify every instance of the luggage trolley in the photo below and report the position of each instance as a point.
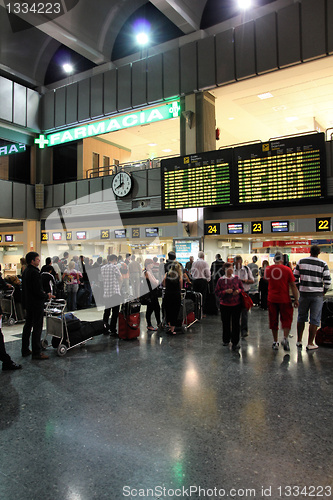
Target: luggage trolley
(187, 314)
(56, 326)
(11, 311)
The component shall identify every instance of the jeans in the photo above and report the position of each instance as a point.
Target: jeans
(310, 303)
(71, 296)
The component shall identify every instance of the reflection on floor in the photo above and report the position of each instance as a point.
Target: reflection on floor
(161, 416)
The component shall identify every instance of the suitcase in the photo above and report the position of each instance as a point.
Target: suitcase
(128, 326)
(196, 297)
(82, 298)
(324, 336)
(190, 318)
(327, 313)
(87, 330)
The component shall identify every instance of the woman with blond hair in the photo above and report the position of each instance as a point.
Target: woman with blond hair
(72, 279)
(172, 298)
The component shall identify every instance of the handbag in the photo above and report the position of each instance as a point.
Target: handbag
(145, 297)
(247, 302)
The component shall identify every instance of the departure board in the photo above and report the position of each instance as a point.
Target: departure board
(197, 180)
(287, 169)
(292, 168)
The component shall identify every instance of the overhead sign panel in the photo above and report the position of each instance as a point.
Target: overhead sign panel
(10, 149)
(197, 180)
(288, 169)
(117, 122)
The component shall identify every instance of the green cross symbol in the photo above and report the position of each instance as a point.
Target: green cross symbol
(41, 141)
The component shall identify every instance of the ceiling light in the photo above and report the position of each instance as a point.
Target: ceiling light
(291, 118)
(266, 95)
(142, 38)
(244, 4)
(68, 68)
(152, 144)
(166, 150)
(231, 118)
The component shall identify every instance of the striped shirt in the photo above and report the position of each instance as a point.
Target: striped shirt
(312, 275)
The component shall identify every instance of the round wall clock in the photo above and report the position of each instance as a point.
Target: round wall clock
(122, 184)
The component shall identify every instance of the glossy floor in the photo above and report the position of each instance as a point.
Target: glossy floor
(161, 417)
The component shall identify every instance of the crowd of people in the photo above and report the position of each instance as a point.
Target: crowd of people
(113, 280)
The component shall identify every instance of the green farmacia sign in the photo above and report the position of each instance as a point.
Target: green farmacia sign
(119, 122)
(11, 149)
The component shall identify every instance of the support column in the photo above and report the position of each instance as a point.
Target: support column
(197, 134)
(31, 237)
(44, 166)
(197, 123)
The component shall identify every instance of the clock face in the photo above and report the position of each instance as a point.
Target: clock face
(122, 184)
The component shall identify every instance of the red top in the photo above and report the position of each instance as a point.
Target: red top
(223, 284)
(279, 277)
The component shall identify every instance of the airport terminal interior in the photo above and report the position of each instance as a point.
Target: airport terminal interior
(143, 127)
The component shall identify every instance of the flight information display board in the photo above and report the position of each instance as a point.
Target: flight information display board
(197, 180)
(287, 169)
(292, 169)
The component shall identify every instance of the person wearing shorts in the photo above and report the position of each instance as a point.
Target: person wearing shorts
(279, 278)
(313, 279)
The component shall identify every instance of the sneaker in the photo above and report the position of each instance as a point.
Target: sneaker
(299, 345)
(235, 347)
(275, 345)
(244, 334)
(285, 344)
(152, 329)
(311, 347)
(226, 343)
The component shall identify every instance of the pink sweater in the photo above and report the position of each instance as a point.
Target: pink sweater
(223, 284)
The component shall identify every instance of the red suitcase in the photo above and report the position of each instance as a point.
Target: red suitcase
(324, 336)
(128, 326)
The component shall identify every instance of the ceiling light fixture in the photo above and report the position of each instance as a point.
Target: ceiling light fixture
(265, 95)
(244, 4)
(291, 118)
(68, 68)
(142, 38)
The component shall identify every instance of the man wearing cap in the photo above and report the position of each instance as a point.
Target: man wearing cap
(313, 279)
(279, 278)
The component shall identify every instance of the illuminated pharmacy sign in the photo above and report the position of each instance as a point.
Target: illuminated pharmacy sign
(10, 149)
(119, 122)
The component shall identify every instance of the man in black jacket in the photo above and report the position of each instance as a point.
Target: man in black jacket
(34, 298)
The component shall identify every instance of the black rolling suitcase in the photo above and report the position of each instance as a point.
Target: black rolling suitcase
(196, 297)
(327, 313)
(86, 330)
(82, 298)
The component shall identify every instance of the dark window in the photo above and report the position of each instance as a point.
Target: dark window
(65, 163)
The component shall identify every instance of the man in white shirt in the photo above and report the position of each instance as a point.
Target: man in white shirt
(246, 277)
(200, 273)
